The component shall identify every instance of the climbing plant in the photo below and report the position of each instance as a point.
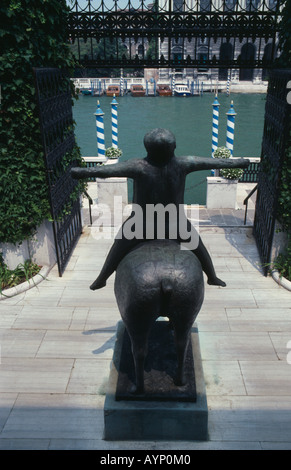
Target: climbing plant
(32, 34)
(283, 261)
(284, 60)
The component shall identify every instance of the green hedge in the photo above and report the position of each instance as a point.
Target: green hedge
(32, 34)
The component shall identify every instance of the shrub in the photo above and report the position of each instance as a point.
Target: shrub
(112, 152)
(13, 277)
(228, 173)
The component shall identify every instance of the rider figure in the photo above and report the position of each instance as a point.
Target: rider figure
(159, 178)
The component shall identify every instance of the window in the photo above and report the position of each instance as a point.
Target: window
(140, 50)
(203, 58)
(229, 5)
(178, 5)
(252, 5)
(273, 4)
(205, 5)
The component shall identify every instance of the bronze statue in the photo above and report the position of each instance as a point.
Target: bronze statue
(155, 277)
(158, 179)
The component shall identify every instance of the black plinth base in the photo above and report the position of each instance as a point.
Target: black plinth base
(155, 419)
(160, 369)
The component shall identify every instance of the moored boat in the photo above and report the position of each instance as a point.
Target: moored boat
(182, 90)
(164, 90)
(137, 90)
(113, 90)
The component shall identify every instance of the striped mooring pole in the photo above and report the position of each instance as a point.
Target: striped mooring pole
(230, 128)
(114, 123)
(215, 120)
(227, 85)
(173, 84)
(100, 131)
(121, 82)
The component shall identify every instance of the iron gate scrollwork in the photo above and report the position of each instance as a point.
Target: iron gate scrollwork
(175, 33)
(56, 122)
(275, 138)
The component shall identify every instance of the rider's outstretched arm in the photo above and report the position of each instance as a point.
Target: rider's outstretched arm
(128, 169)
(203, 163)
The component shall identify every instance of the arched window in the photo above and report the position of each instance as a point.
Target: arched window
(267, 57)
(177, 54)
(140, 50)
(247, 57)
(252, 5)
(205, 5)
(203, 58)
(229, 5)
(225, 54)
(178, 5)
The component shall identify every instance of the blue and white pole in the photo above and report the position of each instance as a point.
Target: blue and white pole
(173, 84)
(227, 85)
(100, 131)
(114, 123)
(230, 128)
(215, 121)
(121, 82)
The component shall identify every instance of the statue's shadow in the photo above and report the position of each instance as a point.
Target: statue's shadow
(109, 343)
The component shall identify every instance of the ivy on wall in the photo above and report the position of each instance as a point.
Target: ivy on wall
(32, 34)
(285, 37)
(284, 199)
(284, 211)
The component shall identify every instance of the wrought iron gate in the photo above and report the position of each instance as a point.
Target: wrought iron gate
(56, 123)
(176, 33)
(275, 137)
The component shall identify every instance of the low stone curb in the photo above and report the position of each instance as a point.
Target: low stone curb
(24, 286)
(282, 281)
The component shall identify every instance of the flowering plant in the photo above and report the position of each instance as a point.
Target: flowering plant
(228, 173)
(113, 152)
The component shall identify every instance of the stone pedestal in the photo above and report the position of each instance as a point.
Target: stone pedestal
(112, 197)
(221, 193)
(181, 414)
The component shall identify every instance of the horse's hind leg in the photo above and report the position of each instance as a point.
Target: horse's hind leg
(182, 318)
(139, 352)
(138, 322)
(182, 336)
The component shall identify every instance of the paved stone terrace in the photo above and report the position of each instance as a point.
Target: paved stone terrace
(57, 342)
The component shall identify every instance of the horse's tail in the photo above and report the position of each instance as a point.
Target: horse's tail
(167, 286)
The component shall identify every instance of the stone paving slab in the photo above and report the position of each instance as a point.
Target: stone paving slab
(57, 342)
(59, 416)
(260, 319)
(34, 375)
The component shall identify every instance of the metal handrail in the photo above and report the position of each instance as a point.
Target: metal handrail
(90, 201)
(246, 200)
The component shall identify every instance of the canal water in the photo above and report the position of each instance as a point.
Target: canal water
(190, 119)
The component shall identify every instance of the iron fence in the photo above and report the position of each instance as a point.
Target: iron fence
(175, 33)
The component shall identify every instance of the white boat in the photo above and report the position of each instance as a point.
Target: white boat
(182, 90)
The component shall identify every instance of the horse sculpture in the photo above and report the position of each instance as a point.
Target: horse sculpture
(158, 278)
(155, 279)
